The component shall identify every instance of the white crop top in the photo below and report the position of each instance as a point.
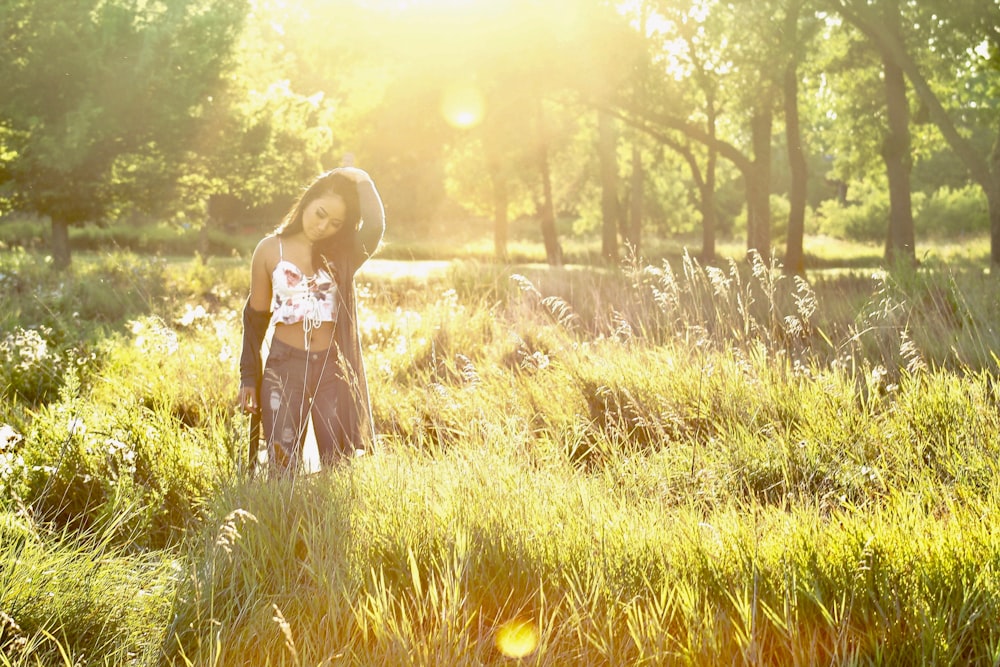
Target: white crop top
(297, 297)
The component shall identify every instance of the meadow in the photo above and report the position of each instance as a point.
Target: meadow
(661, 463)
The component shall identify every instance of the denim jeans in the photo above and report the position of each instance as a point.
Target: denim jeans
(298, 384)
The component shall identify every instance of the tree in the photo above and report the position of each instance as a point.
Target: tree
(486, 164)
(546, 207)
(526, 63)
(260, 137)
(794, 42)
(900, 239)
(255, 148)
(709, 61)
(89, 83)
(955, 32)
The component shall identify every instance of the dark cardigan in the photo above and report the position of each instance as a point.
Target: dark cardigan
(356, 426)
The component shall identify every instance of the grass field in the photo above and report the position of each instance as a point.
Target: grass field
(662, 463)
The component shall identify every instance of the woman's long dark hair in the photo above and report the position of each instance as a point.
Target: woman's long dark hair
(328, 183)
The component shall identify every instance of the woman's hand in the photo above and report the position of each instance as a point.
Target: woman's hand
(248, 400)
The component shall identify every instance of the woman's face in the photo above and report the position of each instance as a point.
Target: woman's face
(323, 217)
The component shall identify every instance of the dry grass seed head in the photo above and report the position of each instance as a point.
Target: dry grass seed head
(621, 330)
(805, 298)
(286, 631)
(228, 531)
(911, 354)
(526, 286)
(562, 312)
(12, 639)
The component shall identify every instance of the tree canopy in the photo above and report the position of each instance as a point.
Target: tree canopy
(91, 85)
(632, 116)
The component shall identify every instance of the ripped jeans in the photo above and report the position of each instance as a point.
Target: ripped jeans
(298, 384)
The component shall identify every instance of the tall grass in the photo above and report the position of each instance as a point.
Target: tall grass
(665, 464)
(72, 598)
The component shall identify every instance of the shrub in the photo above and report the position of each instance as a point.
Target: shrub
(150, 441)
(948, 213)
(31, 368)
(864, 219)
(123, 236)
(779, 208)
(24, 233)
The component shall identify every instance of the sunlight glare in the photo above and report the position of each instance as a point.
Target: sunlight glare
(517, 638)
(674, 56)
(462, 106)
(403, 5)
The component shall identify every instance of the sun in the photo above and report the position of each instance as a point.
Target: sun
(462, 106)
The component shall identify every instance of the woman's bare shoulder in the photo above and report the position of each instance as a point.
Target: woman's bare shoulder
(266, 250)
(265, 255)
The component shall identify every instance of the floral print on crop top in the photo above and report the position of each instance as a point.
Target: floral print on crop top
(297, 297)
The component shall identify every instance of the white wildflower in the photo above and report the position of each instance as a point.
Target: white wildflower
(152, 335)
(75, 426)
(191, 315)
(9, 463)
(9, 438)
(26, 346)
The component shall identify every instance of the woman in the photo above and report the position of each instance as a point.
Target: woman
(302, 277)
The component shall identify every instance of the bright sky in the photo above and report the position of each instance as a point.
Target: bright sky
(396, 5)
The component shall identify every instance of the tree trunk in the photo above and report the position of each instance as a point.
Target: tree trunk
(992, 190)
(708, 220)
(794, 251)
(708, 190)
(633, 234)
(500, 204)
(204, 242)
(759, 183)
(993, 208)
(607, 144)
(60, 244)
(550, 237)
(498, 183)
(899, 243)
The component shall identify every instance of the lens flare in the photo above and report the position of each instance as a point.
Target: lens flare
(517, 638)
(462, 106)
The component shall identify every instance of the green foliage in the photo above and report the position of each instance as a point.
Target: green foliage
(131, 471)
(250, 105)
(864, 218)
(90, 83)
(944, 214)
(72, 599)
(158, 239)
(669, 464)
(949, 224)
(951, 213)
